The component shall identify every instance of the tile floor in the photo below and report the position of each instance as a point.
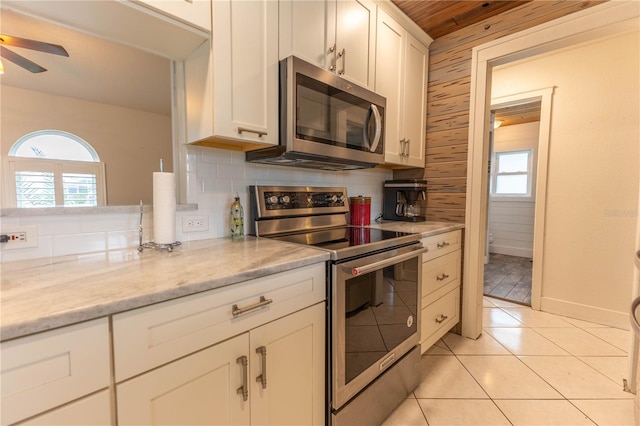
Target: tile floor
(527, 368)
(508, 277)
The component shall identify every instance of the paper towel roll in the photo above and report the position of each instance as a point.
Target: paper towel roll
(164, 208)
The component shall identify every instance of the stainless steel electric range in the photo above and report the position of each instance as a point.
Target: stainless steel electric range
(373, 288)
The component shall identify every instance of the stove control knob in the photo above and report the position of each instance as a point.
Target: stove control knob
(341, 198)
(271, 200)
(285, 199)
(332, 198)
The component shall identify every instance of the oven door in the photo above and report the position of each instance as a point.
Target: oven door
(375, 317)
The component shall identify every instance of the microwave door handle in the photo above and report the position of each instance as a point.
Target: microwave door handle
(378, 132)
(364, 269)
(365, 129)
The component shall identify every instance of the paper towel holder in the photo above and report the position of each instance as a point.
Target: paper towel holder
(150, 244)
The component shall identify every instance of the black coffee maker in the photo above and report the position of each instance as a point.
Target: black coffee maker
(405, 200)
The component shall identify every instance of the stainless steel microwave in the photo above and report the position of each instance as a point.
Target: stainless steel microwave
(326, 122)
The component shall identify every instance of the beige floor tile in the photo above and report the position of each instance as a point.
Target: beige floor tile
(407, 414)
(488, 302)
(445, 377)
(507, 377)
(525, 341)
(542, 412)
(484, 345)
(439, 348)
(532, 318)
(496, 317)
(573, 378)
(614, 367)
(618, 338)
(579, 343)
(462, 412)
(581, 323)
(608, 412)
(504, 303)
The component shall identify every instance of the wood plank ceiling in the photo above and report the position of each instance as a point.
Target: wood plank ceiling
(438, 18)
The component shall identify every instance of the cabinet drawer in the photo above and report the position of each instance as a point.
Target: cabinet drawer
(441, 244)
(438, 275)
(439, 317)
(93, 410)
(151, 336)
(45, 370)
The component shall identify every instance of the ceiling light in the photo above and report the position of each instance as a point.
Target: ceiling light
(497, 123)
(1, 67)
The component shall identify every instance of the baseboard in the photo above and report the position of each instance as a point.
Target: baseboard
(585, 312)
(511, 251)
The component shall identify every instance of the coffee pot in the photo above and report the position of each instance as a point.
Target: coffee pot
(405, 200)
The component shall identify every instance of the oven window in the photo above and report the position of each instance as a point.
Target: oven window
(380, 312)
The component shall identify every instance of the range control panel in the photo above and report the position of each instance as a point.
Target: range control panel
(272, 201)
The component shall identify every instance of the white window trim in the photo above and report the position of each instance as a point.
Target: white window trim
(530, 176)
(16, 146)
(12, 164)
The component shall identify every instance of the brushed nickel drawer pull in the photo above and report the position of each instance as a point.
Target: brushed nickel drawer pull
(442, 244)
(235, 311)
(244, 389)
(262, 379)
(442, 277)
(260, 133)
(442, 319)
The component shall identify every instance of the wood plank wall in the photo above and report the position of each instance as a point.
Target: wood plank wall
(448, 97)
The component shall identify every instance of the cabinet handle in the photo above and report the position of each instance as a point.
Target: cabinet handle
(235, 311)
(263, 377)
(260, 133)
(406, 145)
(343, 54)
(244, 389)
(442, 244)
(441, 319)
(442, 277)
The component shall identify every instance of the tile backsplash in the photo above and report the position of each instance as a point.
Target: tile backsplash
(214, 176)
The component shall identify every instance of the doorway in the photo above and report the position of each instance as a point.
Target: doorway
(511, 201)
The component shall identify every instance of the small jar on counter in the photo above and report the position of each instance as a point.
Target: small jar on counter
(360, 210)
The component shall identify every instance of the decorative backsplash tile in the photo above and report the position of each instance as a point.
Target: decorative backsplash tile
(213, 178)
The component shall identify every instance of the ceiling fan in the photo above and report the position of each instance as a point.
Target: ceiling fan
(41, 46)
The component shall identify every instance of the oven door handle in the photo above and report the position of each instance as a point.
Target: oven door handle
(365, 269)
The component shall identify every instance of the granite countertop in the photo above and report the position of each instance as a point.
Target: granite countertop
(425, 228)
(38, 295)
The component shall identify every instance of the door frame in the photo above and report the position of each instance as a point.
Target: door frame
(606, 19)
(545, 96)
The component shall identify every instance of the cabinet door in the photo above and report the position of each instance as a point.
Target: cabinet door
(195, 12)
(356, 41)
(201, 389)
(306, 32)
(415, 100)
(389, 75)
(289, 356)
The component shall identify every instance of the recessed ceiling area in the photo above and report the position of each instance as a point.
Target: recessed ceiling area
(96, 70)
(518, 114)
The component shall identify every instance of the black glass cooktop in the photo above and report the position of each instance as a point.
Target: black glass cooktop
(350, 240)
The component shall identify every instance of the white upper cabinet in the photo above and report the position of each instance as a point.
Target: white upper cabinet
(231, 81)
(337, 35)
(193, 12)
(401, 77)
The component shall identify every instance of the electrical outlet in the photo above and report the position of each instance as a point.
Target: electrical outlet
(20, 236)
(195, 223)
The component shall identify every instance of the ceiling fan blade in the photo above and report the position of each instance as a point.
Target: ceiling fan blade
(20, 60)
(40, 46)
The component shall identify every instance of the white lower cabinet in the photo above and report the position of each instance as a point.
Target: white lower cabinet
(54, 370)
(440, 304)
(273, 374)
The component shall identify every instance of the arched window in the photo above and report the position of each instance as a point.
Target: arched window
(51, 168)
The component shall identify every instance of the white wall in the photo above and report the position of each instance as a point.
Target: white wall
(511, 218)
(214, 176)
(130, 142)
(593, 176)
